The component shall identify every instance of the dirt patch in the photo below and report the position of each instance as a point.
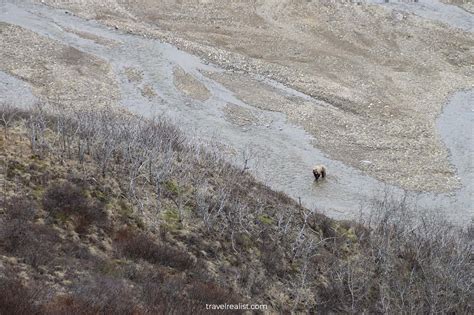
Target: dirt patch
(189, 85)
(148, 91)
(239, 115)
(57, 73)
(133, 74)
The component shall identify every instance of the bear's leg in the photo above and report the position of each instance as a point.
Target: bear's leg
(323, 173)
(316, 175)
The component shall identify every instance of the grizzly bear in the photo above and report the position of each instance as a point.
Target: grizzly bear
(319, 171)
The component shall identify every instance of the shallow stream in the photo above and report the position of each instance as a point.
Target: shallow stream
(281, 154)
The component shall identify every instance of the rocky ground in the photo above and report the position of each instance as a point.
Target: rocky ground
(57, 73)
(188, 85)
(385, 74)
(464, 4)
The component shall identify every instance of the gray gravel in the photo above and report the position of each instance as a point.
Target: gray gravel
(298, 123)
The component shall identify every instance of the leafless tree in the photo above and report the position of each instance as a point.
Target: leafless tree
(37, 123)
(8, 114)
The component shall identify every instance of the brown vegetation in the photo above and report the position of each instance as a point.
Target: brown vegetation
(108, 213)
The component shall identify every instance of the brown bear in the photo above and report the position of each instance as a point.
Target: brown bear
(319, 171)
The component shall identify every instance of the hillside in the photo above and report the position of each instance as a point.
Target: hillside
(104, 212)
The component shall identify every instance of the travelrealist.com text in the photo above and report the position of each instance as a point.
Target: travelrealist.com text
(238, 306)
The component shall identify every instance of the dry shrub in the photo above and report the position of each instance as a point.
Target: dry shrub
(19, 210)
(169, 298)
(9, 114)
(32, 243)
(273, 255)
(408, 262)
(99, 295)
(22, 238)
(202, 293)
(68, 199)
(107, 295)
(67, 304)
(211, 293)
(35, 244)
(396, 264)
(17, 299)
(155, 297)
(143, 247)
